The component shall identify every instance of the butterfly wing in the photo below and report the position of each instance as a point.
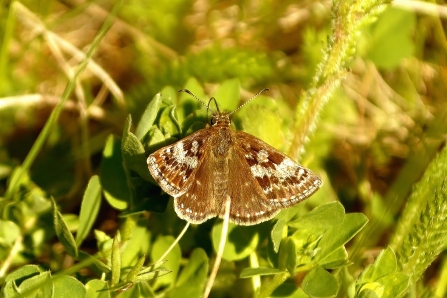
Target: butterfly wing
(198, 204)
(174, 166)
(248, 205)
(283, 182)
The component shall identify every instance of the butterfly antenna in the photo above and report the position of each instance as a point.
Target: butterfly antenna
(215, 103)
(190, 93)
(253, 97)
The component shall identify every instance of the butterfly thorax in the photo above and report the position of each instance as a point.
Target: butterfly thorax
(222, 137)
(222, 142)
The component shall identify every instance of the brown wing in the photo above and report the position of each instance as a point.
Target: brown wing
(174, 166)
(283, 181)
(214, 180)
(198, 204)
(247, 198)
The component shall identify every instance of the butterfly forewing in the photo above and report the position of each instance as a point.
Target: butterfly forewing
(174, 166)
(283, 181)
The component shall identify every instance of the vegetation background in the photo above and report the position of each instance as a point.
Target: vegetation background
(357, 94)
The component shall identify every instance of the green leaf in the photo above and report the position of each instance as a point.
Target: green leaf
(336, 259)
(161, 245)
(104, 240)
(196, 269)
(155, 139)
(168, 123)
(347, 281)
(113, 176)
(269, 127)
(391, 37)
(135, 269)
(62, 232)
(289, 213)
(289, 290)
(168, 94)
(37, 286)
(98, 266)
(395, 285)
(149, 116)
(383, 276)
(227, 95)
(137, 243)
(116, 262)
(368, 293)
(97, 289)
(91, 202)
(338, 235)
(287, 255)
(249, 272)
(385, 264)
(374, 287)
(68, 284)
(278, 280)
(24, 271)
(278, 232)
(191, 281)
(140, 274)
(158, 264)
(321, 217)
(241, 240)
(134, 156)
(320, 283)
(148, 274)
(9, 232)
(15, 278)
(72, 221)
(125, 290)
(187, 105)
(306, 246)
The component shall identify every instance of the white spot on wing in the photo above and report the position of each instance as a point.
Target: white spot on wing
(285, 169)
(258, 170)
(288, 168)
(262, 156)
(158, 175)
(180, 156)
(195, 147)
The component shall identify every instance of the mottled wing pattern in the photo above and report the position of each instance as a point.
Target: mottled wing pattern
(283, 181)
(198, 203)
(174, 166)
(247, 204)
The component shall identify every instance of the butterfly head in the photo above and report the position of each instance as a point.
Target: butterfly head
(220, 119)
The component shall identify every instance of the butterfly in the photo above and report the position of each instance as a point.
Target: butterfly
(205, 168)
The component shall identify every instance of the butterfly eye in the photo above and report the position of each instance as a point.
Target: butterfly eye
(213, 120)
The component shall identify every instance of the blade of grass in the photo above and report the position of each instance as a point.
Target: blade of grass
(15, 178)
(4, 51)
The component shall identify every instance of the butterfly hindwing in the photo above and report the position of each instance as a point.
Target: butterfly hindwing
(248, 206)
(198, 204)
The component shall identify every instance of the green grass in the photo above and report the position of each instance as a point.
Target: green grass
(88, 90)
